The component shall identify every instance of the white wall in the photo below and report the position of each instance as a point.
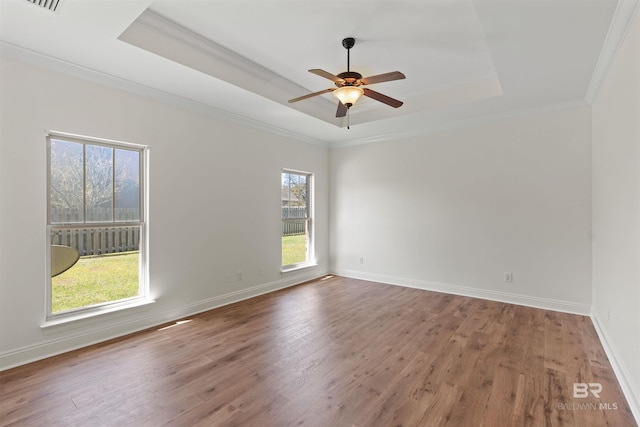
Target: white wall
(454, 211)
(616, 213)
(214, 205)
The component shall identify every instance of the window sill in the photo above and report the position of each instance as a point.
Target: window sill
(298, 267)
(79, 319)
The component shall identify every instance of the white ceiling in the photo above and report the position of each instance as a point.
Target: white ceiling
(465, 60)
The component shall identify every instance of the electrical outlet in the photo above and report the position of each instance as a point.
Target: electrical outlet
(239, 276)
(361, 260)
(508, 277)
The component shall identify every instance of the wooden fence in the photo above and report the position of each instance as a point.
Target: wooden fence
(294, 220)
(104, 240)
(290, 228)
(75, 215)
(99, 240)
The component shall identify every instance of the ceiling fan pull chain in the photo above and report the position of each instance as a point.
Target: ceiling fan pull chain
(348, 119)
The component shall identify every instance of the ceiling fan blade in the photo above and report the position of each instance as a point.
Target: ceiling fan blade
(326, 75)
(342, 110)
(382, 98)
(386, 77)
(300, 98)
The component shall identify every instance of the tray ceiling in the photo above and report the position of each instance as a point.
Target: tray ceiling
(465, 60)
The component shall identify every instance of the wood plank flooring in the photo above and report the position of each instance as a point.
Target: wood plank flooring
(332, 352)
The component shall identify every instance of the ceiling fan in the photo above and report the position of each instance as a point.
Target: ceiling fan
(348, 84)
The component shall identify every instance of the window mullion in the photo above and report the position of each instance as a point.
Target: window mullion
(113, 184)
(84, 183)
(141, 191)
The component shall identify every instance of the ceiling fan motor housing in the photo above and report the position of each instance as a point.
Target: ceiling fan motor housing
(351, 78)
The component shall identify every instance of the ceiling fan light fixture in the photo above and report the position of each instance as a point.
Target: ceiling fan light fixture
(349, 82)
(348, 95)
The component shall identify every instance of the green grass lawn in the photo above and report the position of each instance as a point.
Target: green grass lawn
(294, 249)
(98, 279)
(94, 280)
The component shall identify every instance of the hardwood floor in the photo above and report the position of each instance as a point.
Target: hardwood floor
(333, 352)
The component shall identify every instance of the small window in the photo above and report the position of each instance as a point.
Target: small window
(96, 228)
(297, 229)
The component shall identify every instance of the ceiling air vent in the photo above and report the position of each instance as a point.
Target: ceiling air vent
(52, 5)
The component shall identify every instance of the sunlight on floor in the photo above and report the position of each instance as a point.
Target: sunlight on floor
(177, 323)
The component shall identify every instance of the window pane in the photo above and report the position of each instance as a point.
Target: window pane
(294, 195)
(294, 243)
(300, 189)
(66, 182)
(286, 194)
(95, 184)
(295, 218)
(108, 268)
(127, 163)
(99, 183)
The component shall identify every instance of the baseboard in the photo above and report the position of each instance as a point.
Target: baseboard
(292, 279)
(142, 321)
(510, 298)
(629, 389)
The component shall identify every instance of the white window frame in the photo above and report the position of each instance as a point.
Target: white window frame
(310, 261)
(53, 319)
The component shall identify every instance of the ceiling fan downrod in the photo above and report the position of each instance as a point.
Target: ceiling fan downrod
(350, 78)
(348, 43)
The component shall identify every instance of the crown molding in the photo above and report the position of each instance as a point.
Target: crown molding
(154, 33)
(622, 18)
(451, 125)
(35, 58)
(242, 67)
(29, 56)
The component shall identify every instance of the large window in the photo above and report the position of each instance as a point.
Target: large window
(297, 230)
(95, 212)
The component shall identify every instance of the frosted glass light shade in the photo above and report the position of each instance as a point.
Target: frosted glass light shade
(348, 95)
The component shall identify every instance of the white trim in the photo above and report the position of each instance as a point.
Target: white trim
(143, 285)
(240, 295)
(128, 325)
(108, 80)
(453, 125)
(93, 315)
(631, 393)
(83, 139)
(620, 23)
(298, 267)
(310, 223)
(38, 59)
(243, 67)
(509, 298)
